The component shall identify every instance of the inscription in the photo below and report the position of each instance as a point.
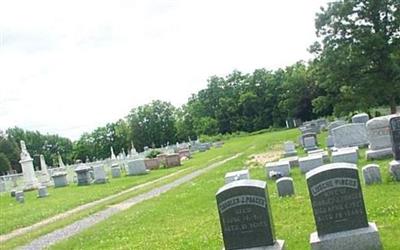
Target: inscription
(333, 183)
(241, 200)
(244, 221)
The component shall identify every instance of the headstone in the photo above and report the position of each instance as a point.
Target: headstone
(136, 167)
(307, 135)
(281, 167)
(348, 155)
(310, 162)
(172, 160)
(325, 155)
(293, 161)
(285, 187)
(45, 171)
(329, 141)
(60, 179)
(161, 158)
(19, 196)
(339, 210)
(152, 163)
(12, 192)
(290, 149)
(394, 166)
(83, 175)
(372, 174)
(184, 153)
(42, 192)
(115, 171)
(378, 133)
(237, 175)
(30, 180)
(245, 216)
(360, 118)
(100, 176)
(334, 125)
(350, 135)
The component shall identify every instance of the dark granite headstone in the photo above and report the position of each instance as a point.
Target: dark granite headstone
(395, 136)
(245, 215)
(336, 198)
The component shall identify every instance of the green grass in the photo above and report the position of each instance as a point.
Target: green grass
(14, 215)
(186, 217)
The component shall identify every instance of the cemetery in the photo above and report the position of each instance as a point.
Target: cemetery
(291, 198)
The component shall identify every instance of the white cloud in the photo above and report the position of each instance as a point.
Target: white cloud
(69, 66)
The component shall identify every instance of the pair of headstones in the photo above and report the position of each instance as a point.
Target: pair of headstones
(337, 203)
(394, 166)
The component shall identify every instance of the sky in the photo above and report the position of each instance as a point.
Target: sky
(67, 67)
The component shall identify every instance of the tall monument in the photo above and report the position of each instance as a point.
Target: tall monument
(112, 154)
(30, 180)
(45, 171)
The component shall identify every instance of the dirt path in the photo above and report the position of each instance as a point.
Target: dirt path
(80, 225)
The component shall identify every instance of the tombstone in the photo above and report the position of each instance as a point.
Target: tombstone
(12, 192)
(100, 176)
(136, 167)
(290, 149)
(281, 167)
(184, 153)
(161, 158)
(348, 155)
(42, 192)
(285, 187)
(339, 210)
(350, 135)
(329, 141)
(394, 166)
(372, 174)
(245, 216)
(378, 133)
(310, 162)
(45, 171)
(115, 171)
(60, 179)
(152, 163)
(172, 160)
(334, 125)
(293, 161)
(19, 196)
(30, 180)
(237, 175)
(360, 118)
(307, 135)
(325, 155)
(83, 175)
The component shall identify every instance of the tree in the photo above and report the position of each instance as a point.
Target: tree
(11, 151)
(5, 164)
(358, 61)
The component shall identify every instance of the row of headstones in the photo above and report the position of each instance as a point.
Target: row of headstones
(337, 202)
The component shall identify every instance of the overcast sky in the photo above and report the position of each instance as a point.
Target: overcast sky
(68, 67)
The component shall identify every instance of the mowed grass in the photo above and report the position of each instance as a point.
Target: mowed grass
(187, 218)
(14, 215)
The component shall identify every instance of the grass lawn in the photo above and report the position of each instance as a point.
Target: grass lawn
(14, 215)
(187, 218)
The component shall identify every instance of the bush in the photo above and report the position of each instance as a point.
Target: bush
(153, 154)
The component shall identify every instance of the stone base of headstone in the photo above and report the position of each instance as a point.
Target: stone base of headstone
(281, 167)
(279, 245)
(293, 161)
(358, 239)
(378, 153)
(394, 169)
(310, 162)
(345, 155)
(289, 154)
(237, 175)
(100, 181)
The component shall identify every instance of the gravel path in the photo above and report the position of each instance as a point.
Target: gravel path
(80, 225)
(24, 230)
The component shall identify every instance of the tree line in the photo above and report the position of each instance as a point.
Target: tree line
(356, 67)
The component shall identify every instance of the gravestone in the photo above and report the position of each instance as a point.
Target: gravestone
(28, 171)
(339, 210)
(237, 175)
(307, 135)
(378, 133)
(334, 125)
(290, 149)
(12, 192)
(172, 160)
(293, 161)
(100, 176)
(348, 155)
(394, 166)
(152, 163)
(19, 196)
(136, 167)
(115, 171)
(372, 174)
(184, 153)
(60, 179)
(360, 118)
(161, 158)
(245, 216)
(350, 135)
(279, 167)
(325, 155)
(42, 192)
(310, 162)
(83, 175)
(285, 187)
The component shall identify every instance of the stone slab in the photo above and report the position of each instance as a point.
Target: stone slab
(378, 153)
(279, 245)
(350, 135)
(360, 118)
(293, 161)
(371, 174)
(283, 167)
(285, 186)
(394, 169)
(310, 162)
(358, 239)
(237, 175)
(347, 155)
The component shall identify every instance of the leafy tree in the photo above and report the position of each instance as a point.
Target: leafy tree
(358, 62)
(5, 164)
